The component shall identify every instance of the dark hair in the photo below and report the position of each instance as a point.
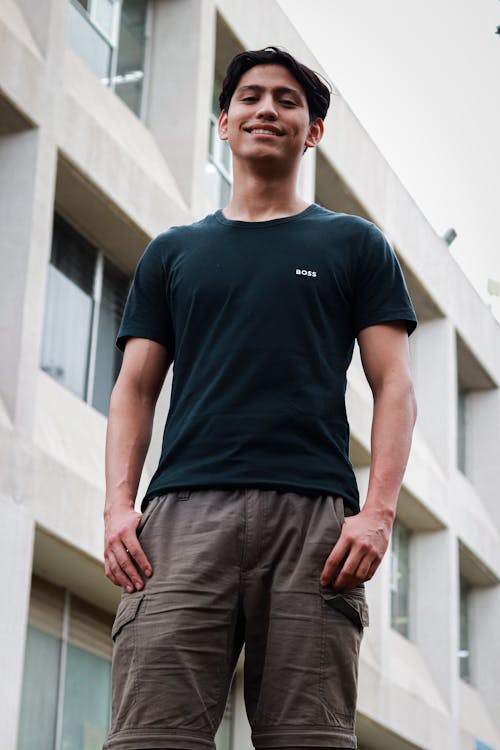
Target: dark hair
(316, 91)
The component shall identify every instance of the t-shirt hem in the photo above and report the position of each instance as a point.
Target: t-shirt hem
(306, 489)
(404, 315)
(122, 338)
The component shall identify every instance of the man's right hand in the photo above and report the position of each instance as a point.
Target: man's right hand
(122, 548)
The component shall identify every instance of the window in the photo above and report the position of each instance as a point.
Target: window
(400, 578)
(218, 172)
(462, 430)
(464, 653)
(110, 35)
(66, 693)
(86, 294)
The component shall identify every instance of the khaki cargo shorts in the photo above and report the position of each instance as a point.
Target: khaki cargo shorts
(234, 567)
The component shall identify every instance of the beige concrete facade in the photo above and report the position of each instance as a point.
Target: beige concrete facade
(69, 144)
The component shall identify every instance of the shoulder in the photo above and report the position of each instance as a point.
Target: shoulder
(167, 244)
(177, 236)
(346, 226)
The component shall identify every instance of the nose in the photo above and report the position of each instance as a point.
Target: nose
(267, 109)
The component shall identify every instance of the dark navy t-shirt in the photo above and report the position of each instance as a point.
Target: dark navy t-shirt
(260, 318)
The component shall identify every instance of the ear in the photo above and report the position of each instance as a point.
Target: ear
(222, 125)
(315, 133)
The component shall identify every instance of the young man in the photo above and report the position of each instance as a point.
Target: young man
(251, 529)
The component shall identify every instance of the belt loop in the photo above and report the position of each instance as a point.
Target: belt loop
(183, 494)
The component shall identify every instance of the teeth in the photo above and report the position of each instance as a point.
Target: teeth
(264, 132)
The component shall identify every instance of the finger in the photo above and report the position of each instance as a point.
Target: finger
(334, 561)
(135, 550)
(116, 574)
(127, 566)
(347, 578)
(373, 568)
(364, 568)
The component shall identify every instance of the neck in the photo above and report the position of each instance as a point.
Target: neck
(263, 195)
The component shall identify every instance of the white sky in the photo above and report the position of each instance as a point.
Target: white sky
(424, 80)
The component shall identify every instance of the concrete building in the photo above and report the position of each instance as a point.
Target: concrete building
(106, 139)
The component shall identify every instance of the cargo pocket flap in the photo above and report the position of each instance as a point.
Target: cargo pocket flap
(351, 603)
(127, 610)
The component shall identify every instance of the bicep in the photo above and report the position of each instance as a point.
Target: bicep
(144, 367)
(385, 353)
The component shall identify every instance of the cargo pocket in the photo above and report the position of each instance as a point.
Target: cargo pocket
(344, 616)
(127, 611)
(351, 603)
(124, 664)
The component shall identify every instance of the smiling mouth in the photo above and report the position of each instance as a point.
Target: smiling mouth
(263, 131)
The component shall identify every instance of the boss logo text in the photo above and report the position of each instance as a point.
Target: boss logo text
(302, 272)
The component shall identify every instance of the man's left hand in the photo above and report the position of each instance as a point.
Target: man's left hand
(358, 551)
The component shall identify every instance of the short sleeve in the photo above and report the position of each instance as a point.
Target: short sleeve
(146, 313)
(380, 291)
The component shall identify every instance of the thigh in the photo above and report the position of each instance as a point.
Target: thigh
(306, 686)
(176, 642)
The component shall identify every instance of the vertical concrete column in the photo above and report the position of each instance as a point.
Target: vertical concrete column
(485, 645)
(27, 177)
(483, 447)
(28, 161)
(180, 90)
(434, 608)
(434, 377)
(17, 547)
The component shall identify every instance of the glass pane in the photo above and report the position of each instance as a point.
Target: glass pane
(69, 308)
(400, 578)
(212, 179)
(225, 155)
(86, 700)
(461, 430)
(130, 91)
(37, 724)
(108, 357)
(104, 11)
(212, 137)
(73, 255)
(131, 47)
(88, 42)
(464, 654)
(66, 337)
(225, 192)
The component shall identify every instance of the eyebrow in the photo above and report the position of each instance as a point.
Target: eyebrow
(277, 90)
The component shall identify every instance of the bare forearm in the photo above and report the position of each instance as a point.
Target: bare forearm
(130, 424)
(394, 415)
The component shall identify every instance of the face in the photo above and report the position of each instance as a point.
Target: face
(268, 116)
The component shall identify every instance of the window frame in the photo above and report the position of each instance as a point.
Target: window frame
(462, 429)
(64, 642)
(464, 617)
(398, 528)
(113, 43)
(215, 158)
(97, 290)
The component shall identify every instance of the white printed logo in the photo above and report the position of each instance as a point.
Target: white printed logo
(301, 272)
